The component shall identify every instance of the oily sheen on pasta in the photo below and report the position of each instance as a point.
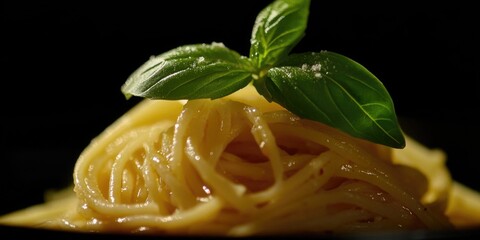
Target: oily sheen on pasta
(240, 166)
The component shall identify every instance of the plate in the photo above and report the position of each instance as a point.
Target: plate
(32, 233)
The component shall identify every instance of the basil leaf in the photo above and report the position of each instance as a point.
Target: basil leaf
(277, 29)
(325, 86)
(339, 92)
(189, 72)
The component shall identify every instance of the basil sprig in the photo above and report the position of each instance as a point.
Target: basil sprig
(322, 86)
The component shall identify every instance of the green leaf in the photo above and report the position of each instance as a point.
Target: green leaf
(278, 28)
(333, 89)
(190, 72)
(325, 86)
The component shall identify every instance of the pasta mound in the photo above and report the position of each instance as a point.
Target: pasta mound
(240, 166)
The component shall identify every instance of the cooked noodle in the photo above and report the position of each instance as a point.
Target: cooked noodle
(239, 166)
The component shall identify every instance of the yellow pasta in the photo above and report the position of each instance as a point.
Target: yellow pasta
(241, 166)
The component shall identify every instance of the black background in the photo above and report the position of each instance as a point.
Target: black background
(63, 65)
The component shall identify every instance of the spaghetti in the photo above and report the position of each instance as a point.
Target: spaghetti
(240, 166)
